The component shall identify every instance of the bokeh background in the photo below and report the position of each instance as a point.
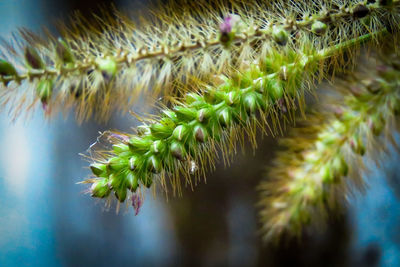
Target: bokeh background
(46, 220)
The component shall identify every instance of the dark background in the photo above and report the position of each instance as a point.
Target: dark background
(46, 220)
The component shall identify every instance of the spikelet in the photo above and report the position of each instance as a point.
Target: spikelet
(184, 140)
(323, 162)
(96, 67)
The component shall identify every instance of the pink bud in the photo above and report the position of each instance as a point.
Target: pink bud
(227, 25)
(137, 203)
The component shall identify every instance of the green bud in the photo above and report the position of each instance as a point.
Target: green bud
(200, 133)
(269, 65)
(357, 145)
(177, 150)
(326, 173)
(120, 148)
(192, 98)
(232, 98)
(376, 123)
(100, 189)
(203, 114)
(6, 69)
(64, 52)
(117, 163)
(131, 181)
(115, 181)
(258, 85)
(180, 132)
(280, 36)
(170, 115)
(319, 28)
(274, 89)
(147, 181)
(121, 193)
(250, 103)
(133, 162)
(225, 117)
(340, 166)
(107, 66)
(44, 90)
(212, 95)
(185, 113)
(160, 130)
(158, 146)
(153, 164)
(98, 169)
(140, 144)
(33, 59)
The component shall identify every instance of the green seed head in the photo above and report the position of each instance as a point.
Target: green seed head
(117, 163)
(64, 52)
(139, 144)
(6, 69)
(120, 148)
(98, 169)
(157, 147)
(200, 133)
(107, 66)
(274, 89)
(225, 117)
(250, 103)
(180, 132)
(44, 90)
(131, 181)
(33, 59)
(100, 189)
(177, 150)
(203, 114)
(319, 28)
(161, 130)
(120, 194)
(357, 145)
(154, 164)
(280, 36)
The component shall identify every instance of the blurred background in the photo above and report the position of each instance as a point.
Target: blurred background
(46, 220)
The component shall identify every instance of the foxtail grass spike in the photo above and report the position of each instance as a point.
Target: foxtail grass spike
(203, 122)
(323, 160)
(100, 66)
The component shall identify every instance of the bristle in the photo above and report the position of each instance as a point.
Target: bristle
(96, 67)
